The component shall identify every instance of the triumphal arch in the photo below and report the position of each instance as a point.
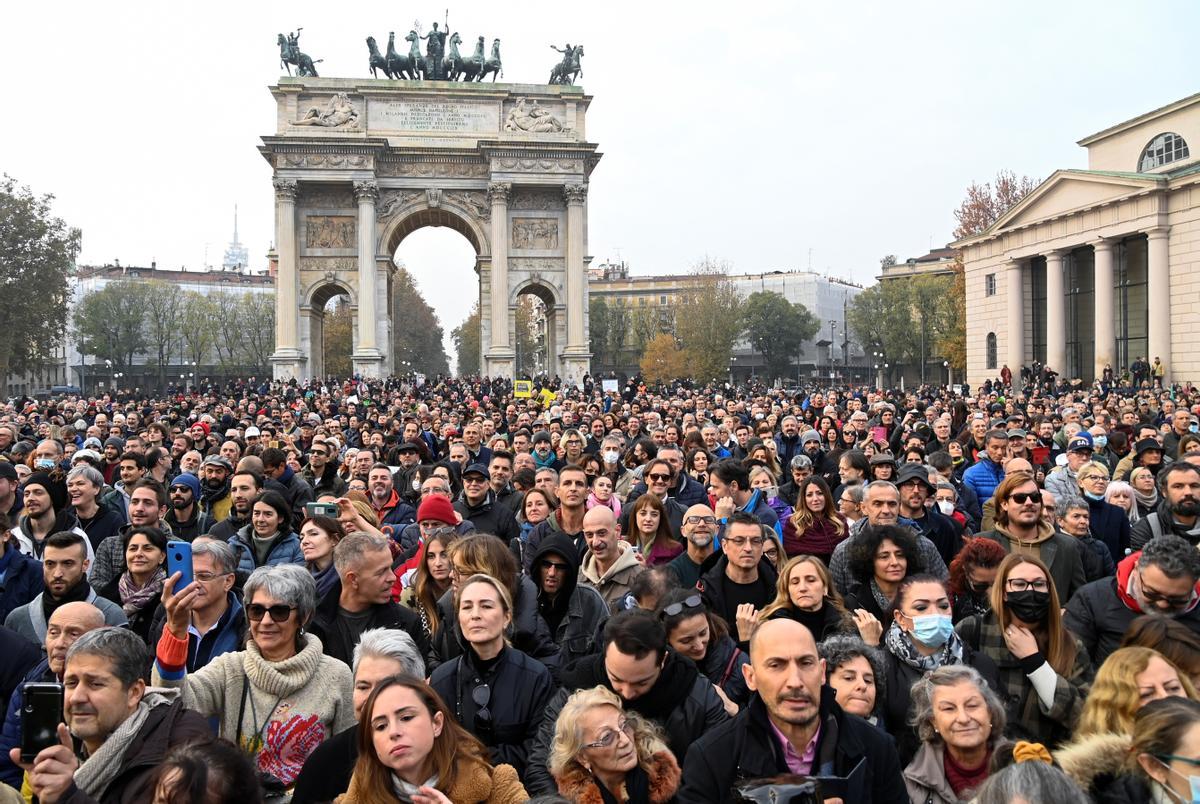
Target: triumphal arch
(359, 164)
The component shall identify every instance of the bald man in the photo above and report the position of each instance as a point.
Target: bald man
(68, 622)
(793, 724)
(609, 565)
(699, 527)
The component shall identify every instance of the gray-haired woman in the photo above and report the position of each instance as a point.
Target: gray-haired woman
(959, 719)
(279, 698)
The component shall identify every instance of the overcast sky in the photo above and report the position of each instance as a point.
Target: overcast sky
(767, 135)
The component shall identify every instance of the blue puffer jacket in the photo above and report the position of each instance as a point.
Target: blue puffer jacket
(23, 582)
(983, 476)
(285, 550)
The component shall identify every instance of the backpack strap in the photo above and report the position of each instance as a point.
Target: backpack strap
(1156, 528)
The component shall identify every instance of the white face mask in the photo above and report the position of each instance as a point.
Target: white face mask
(611, 456)
(946, 507)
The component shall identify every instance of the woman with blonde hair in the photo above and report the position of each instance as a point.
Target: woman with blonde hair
(804, 592)
(1128, 680)
(1044, 669)
(495, 691)
(1145, 491)
(410, 749)
(602, 753)
(1121, 494)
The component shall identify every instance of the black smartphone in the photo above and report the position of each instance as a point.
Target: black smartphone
(41, 712)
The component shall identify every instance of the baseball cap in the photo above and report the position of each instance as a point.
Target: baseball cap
(477, 469)
(1018, 433)
(1079, 444)
(253, 432)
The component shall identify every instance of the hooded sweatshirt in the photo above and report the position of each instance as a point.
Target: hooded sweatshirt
(554, 609)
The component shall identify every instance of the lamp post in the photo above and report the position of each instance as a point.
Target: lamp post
(879, 366)
(832, 340)
(949, 373)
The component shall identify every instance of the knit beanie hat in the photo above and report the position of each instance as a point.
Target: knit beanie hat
(437, 508)
(189, 480)
(55, 488)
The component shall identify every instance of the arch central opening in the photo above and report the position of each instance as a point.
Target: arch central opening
(436, 291)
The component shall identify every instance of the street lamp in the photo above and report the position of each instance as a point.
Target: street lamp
(949, 373)
(878, 374)
(832, 340)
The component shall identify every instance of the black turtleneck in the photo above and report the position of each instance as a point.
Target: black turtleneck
(78, 592)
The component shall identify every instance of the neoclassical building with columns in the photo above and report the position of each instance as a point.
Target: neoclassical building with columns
(1100, 266)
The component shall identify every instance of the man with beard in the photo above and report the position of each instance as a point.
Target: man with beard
(915, 490)
(571, 492)
(64, 572)
(699, 528)
(113, 447)
(1179, 510)
(148, 505)
(385, 501)
(185, 519)
(788, 439)
(321, 472)
(788, 727)
(575, 612)
(244, 488)
(657, 684)
(215, 499)
(68, 622)
(46, 513)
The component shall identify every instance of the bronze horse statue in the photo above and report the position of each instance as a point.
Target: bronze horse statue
(473, 64)
(452, 65)
(377, 61)
(493, 64)
(567, 70)
(404, 66)
(289, 54)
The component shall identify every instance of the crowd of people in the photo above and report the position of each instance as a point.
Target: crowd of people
(437, 591)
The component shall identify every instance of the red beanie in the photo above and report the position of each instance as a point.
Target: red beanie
(437, 508)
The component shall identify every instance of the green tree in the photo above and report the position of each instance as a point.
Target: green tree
(108, 323)
(37, 253)
(708, 320)
(417, 334)
(336, 332)
(777, 329)
(881, 319)
(931, 307)
(468, 347)
(619, 325)
(598, 329)
(662, 359)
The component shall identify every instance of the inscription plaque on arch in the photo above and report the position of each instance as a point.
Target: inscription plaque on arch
(421, 116)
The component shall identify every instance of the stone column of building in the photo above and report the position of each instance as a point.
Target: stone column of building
(500, 359)
(1056, 314)
(1105, 331)
(576, 358)
(288, 360)
(1158, 277)
(367, 358)
(1016, 318)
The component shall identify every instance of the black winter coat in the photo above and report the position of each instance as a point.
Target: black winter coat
(1110, 525)
(489, 517)
(745, 748)
(520, 689)
(383, 615)
(580, 626)
(22, 583)
(682, 702)
(1098, 616)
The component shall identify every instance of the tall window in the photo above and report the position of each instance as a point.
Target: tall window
(1163, 150)
(1130, 300)
(989, 285)
(1037, 309)
(1079, 282)
(991, 351)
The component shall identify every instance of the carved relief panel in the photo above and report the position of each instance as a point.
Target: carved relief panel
(535, 233)
(330, 231)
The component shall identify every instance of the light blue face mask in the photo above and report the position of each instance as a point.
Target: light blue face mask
(44, 463)
(1193, 781)
(1099, 442)
(932, 630)
(1092, 496)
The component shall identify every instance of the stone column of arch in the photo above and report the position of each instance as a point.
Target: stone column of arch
(287, 359)
(576, 357)
(367, 357)
(500, 357)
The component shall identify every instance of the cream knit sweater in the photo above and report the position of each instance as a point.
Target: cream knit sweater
(311, 695)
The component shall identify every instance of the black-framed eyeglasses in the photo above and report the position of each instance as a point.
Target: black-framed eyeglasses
(689, 602)
(1024, 585)
(1155, 597)
(280, 612)
(696, 520)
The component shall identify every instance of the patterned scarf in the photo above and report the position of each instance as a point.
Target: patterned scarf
(880, 597)
(900, 645)
(135, 598)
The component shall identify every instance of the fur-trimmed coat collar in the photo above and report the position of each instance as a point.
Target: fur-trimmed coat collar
(1087, 759)
(579, 786)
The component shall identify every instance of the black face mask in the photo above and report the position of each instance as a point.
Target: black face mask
(1029, 606)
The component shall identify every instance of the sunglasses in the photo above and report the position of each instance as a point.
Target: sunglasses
(482, 696)
(557, 566)
(658, 477)
(1022, 497)
(280, 612)
(690, 602)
